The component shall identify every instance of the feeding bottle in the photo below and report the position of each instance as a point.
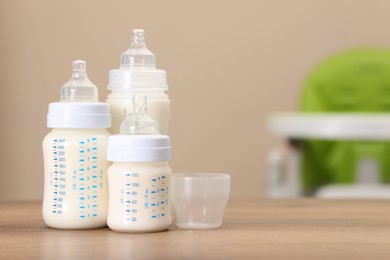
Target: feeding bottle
(75, 165)
(138, 75)
(139, 177)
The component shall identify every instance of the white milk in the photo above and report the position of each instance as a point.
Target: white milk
(158, 109)
(139, 181)
(75, 181)
(138, 199)
(138, 75)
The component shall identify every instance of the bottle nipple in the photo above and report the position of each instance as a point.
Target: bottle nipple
(138, 55)
(79, 88)
(139, 122)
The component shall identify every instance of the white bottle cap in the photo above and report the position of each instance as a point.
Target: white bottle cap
(138, 68)
(139, 148)
(79, 115)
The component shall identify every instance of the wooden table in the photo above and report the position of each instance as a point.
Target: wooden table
(288, 229)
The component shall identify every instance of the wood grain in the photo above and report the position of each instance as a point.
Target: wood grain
(277, 229)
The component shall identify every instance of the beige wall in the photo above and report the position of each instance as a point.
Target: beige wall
(230, 64)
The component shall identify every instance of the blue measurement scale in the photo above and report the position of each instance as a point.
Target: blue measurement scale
(85, 179)
(152, 198)
(87, 184)
(58, 176)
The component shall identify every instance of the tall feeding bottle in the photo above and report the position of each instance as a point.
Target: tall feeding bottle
(138, 75)
(139, 177)
(75, 166)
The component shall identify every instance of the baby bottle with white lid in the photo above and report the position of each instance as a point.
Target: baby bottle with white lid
(139, 177)
(138, 75)
(75, 165)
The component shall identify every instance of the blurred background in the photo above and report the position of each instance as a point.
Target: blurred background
(230, 64)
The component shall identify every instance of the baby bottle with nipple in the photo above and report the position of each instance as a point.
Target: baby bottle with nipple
(75, 165)
(139, 177)
(138, 75)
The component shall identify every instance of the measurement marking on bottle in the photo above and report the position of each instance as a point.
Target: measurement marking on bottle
(95, 185)
(58, 184)
(151, 197)
(129, 192)
(88, 181)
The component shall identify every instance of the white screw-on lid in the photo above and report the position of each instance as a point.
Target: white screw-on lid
(79, 115)
(139, 148)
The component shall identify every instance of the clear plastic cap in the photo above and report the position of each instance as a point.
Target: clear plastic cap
(138, 55)
(79, 88)
(139, 122)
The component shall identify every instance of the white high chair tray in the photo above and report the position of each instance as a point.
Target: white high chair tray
(354, 191)
(332, 126)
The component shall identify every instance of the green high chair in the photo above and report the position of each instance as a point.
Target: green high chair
(339, 142)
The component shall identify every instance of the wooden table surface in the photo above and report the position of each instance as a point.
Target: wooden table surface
(252, 229)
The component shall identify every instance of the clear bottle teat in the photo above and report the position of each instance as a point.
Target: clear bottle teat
(138, 56)
(79, 88)
(139, 122)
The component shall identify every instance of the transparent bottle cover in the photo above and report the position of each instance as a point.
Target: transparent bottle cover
(79, 88)
(139, 122)
(138, 55)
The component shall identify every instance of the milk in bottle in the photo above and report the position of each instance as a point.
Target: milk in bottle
(139, 177)
(75, 166)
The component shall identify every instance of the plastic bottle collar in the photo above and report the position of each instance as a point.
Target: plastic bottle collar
(79, 115)
(139, 148)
